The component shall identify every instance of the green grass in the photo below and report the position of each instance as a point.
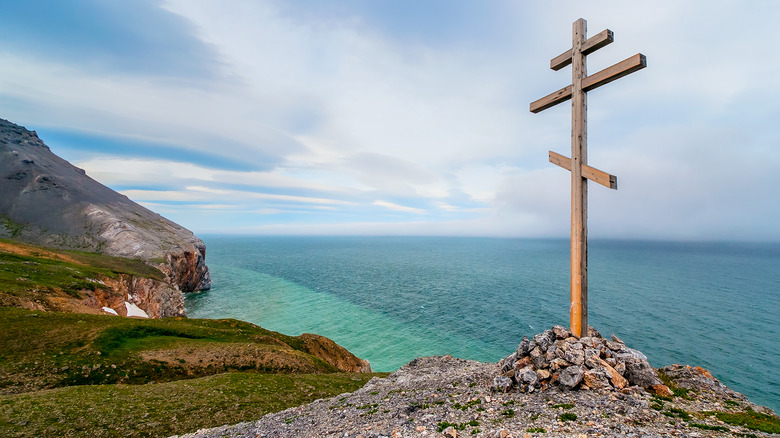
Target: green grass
(568, 416)
(32, 274)
(75, 374)
(563, 405)
(105, 385)
(167, 408)
(21, 275)
(751, 420)
(87, 261)
(12, 227)
(678, 413)
(40, 350)
(678, 391)
(457, 426)
(708, 427)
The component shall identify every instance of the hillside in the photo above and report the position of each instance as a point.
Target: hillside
(449, 397)
(38, 278)
(47, 201)
(68, 374)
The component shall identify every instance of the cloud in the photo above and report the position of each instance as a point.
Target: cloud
(401, 208)
(351, 116)
(109, 37)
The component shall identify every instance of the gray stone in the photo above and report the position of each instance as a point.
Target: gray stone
(592, 332)
(576, 357)
(525, 347)
(61, 207)
(615, 346)
(620, 367)
(630, 353)
(561, 332)
(545, 339)
(597, 378)
(502, 384)
(508, 362)
(527, 376)
(540, 362)
(559, 363)
(591, 352)
(639, 372)
(571, 377)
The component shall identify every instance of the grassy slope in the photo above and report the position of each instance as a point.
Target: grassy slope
(36, 277)
(76, 374)
(164, 409)
(52, 349)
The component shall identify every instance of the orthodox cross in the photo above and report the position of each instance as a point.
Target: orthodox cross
(581, 83)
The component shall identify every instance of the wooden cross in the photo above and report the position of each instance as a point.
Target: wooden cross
(581, 83)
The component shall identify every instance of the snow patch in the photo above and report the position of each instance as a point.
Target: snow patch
(133, 310)
(110, 310)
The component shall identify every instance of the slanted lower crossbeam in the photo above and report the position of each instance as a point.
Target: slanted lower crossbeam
(605, 179)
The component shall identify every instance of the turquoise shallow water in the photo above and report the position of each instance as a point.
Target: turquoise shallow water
(391, 299)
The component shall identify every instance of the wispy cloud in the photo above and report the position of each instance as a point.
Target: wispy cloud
(401, 208)
(404, 117)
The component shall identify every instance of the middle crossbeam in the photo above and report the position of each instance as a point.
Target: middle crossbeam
(609, 74)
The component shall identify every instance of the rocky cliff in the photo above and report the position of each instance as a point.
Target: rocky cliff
(448, 397)
(47, 201)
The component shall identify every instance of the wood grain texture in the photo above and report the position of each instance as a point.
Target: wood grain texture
(598, 176)
(617, 71)
(579, 186)
(551, 99)
(591, 45)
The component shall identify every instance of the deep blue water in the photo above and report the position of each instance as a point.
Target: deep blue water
(391, 299)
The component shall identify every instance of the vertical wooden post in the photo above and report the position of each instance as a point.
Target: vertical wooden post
(579, 186)
(581, 83)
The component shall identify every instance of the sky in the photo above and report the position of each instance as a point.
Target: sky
(405, 117)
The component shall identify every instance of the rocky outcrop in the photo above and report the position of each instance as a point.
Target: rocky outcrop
(47, 201)
(334, 354)
(155, 298)
(448, 397)
(556, 358)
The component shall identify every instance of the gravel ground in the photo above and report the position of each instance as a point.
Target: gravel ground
(444, 396)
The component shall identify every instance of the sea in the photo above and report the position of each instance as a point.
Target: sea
(392, 299)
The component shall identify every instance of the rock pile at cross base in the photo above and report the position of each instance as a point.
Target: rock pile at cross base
(448, 397)
(556, 357)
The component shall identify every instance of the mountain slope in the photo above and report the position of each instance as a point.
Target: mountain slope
(47, 201)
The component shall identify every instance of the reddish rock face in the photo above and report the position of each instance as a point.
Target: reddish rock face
(156, 298)
(187, 270)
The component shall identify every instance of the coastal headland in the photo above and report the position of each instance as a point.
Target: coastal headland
(449, 397)
(96, 343)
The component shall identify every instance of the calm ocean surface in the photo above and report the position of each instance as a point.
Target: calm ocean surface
(391, 299)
